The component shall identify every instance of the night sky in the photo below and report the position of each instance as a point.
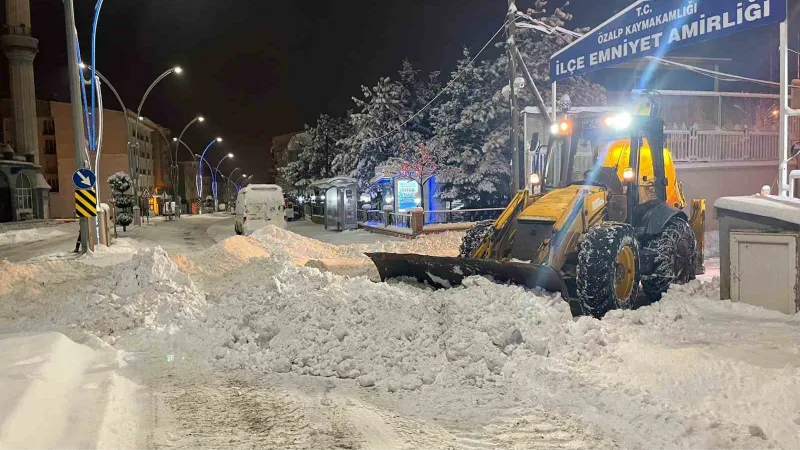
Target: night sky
(260, 68)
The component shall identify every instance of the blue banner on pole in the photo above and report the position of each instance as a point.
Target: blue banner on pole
(653, 27)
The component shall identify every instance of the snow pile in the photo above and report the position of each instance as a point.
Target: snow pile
(74, 389)
(276, 317)
(29, 279)
(146, 292)
(29, 235)
(349, 259)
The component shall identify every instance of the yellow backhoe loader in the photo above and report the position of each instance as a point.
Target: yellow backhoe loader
(606, 221)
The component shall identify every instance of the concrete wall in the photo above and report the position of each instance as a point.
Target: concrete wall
(714, 180)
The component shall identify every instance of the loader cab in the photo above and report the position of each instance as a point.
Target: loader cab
(614, 151)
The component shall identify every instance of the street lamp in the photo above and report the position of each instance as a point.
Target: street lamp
(177, 70)
(180, 136)
(214, 179)
(202, 157)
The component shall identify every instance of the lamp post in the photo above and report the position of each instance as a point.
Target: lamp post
(179, 139)
(177, 70)
(214, 179)
(199, 182)
(200, 167)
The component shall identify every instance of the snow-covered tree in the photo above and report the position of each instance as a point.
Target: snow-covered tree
(317, 151)
(472, 124)
(470, 140)
(419, 165)
(120, 183)
(385, 121)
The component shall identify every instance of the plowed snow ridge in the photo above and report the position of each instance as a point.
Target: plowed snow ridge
(688, 371)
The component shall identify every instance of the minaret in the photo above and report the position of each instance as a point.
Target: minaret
(20, 49)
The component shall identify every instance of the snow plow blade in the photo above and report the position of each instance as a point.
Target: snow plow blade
(446, 272)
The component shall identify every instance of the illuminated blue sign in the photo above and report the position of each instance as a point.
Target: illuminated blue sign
(653, 27)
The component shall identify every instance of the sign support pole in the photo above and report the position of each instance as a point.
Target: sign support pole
(516, 183)
(783, 169)
(555, 102)
(77, 108)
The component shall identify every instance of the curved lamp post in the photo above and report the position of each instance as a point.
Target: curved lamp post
(200, 168)
(178, 140)
(214, 179)
(177, 70)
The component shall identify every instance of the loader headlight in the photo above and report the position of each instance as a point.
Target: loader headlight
(628, 175)
(619, 121)
(559, 127)
(535, 179)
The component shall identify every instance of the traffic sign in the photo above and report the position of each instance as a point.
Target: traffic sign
(84, 179)
(648, 28)
(85, 203)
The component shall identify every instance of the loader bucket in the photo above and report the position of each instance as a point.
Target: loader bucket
(446, 272)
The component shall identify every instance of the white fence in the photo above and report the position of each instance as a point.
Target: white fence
(689, 145)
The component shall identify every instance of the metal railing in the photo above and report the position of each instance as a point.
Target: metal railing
(434, 217)
(371, 217)
(402, 220)
(689, 145)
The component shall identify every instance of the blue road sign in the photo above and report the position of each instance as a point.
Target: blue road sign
(653, 27)
(84, 178)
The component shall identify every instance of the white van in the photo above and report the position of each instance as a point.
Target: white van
(259, 205)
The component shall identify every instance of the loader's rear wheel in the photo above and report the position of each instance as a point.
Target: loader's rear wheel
(608, 269)
(473, 238)
(675, 258)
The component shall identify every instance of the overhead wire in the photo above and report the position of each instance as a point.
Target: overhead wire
(442, 91)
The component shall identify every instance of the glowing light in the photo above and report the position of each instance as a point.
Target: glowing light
(535, 179)
(564, 126)
(219, 139)
(201, 119)
(230, 155)
(82, 65)
(174, 139)
(178, 70)
(620, 121)
(627, 174)
(554, 128)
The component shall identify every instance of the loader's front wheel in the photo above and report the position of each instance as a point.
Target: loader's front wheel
(675, 261)
(608, 269)
(473, 238)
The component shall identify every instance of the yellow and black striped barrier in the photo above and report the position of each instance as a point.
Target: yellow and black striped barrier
(85, 203)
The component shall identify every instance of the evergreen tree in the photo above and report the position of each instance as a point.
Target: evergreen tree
(120, 183)
(471, 152)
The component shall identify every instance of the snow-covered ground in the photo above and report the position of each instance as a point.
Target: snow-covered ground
(278, 340)
(34, 234)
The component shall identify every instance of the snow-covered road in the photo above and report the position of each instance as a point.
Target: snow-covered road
(281, 341)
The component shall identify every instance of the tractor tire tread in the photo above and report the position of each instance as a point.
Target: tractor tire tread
(597, 264)
(664, 246)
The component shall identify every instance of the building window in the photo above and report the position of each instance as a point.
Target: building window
(24, 192)
(53, 182)
(49, 127)
(49, 147)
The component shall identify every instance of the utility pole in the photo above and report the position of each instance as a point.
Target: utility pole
(77, 106)
(516, 164)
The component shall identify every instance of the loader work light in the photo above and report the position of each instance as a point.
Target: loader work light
(619, 121)
(627, 174)
(535, 179)
(559, 128)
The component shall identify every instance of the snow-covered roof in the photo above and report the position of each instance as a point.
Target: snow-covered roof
(576, 109)
(334, 181)
(781, 208)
